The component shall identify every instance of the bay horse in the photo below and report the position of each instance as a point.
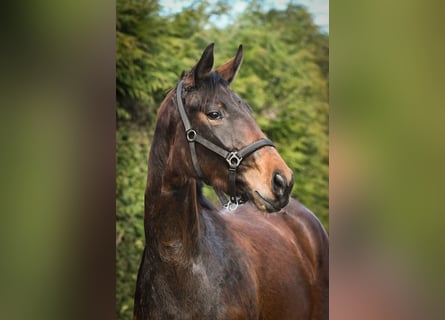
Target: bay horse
(265, 256)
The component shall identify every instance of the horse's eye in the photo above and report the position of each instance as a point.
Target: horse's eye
(214, 115)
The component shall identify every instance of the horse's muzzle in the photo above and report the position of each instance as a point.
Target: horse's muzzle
(281, 191)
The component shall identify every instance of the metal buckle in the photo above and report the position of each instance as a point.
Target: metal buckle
(233, 159)
(231, 206)
(191, 135)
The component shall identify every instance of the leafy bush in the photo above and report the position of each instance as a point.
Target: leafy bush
(131, 171)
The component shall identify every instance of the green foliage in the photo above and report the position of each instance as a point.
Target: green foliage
(141, 73)
(131, 171)
(284, 78)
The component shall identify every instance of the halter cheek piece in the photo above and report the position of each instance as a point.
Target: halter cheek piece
(233, 158)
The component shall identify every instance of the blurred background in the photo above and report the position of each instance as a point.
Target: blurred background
(284, 77)
(387, 157)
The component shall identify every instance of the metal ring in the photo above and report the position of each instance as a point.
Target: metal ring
(191, 135)
(231, 206)
(233, 159)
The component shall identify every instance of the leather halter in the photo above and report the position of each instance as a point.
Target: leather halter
(233, 158)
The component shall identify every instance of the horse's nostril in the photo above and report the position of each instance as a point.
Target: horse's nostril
(279, 184)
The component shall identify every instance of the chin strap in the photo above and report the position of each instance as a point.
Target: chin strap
(233, 158)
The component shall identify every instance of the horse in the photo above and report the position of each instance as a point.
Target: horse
(263, 255)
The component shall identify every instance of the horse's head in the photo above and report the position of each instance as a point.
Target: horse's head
(218, 135)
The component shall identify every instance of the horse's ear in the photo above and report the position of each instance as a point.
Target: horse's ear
(229, 69)
(204, 65)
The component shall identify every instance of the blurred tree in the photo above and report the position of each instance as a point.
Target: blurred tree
(131, 171)
(140, 74)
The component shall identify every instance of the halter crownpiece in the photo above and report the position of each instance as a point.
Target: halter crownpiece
(233, 158)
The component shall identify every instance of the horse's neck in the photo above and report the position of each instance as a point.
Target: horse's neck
(172, 220)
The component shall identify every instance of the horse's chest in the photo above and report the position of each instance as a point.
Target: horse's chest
(203, 291)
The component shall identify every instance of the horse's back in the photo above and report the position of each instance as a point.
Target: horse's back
(289, 257)
(313, 240)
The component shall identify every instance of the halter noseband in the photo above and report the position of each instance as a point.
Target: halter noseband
(233, 158)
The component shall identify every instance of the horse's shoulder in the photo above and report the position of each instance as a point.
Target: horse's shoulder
(295, 213)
